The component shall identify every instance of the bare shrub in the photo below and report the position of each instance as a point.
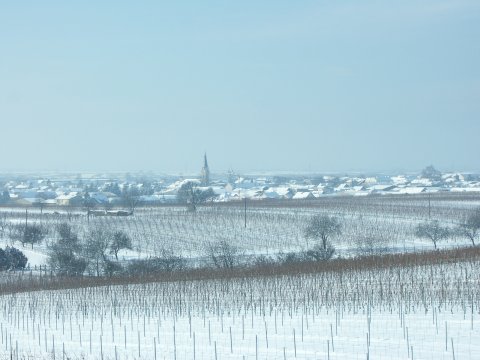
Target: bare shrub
(167, 262)
(112, 268)
(290, 257)
(16, 259)
(222, 254)
(370, 245)
(67, 264)
(262, 260)
(320, 253)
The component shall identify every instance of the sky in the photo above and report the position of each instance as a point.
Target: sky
(273, 85)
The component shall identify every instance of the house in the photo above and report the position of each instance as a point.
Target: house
(303, 195)
(465, 189)
(399, 180)
(278, 193)
(411, 190)
(70, 199)
(119, 213)
(271, 194)
(173, 188)
(381, 189)
(422, 182)
(341, 187)
(105, 197)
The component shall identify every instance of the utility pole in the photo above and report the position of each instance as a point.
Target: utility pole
(429, 206)
(26, 226)
(245, 211)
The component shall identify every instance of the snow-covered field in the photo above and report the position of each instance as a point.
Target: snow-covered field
(419, 312)
(380, 221)
(427, 312)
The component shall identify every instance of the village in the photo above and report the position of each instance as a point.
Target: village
(92, 190)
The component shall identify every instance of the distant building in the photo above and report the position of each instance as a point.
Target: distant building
(70, 199)
(205, 174)
(303, 195)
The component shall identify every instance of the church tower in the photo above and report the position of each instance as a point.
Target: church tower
(205, 175)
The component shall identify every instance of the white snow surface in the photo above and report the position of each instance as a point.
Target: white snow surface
(355, 315)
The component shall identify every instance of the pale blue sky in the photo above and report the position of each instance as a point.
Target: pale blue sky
(260, 85)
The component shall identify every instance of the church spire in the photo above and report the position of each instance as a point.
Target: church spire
(205, 162)
(205, 172)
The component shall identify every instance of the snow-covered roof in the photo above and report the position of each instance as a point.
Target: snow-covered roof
(411, 190)
(422, 181)
(380, 187)
(22, 186)
(68, 196)
(465, 189)
(400, 179)
(275, 192)
(303, 195)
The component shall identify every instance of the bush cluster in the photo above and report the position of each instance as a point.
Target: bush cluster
(12, 259)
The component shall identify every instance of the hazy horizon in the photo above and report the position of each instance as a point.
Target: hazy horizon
(275, 86)
(85, 174)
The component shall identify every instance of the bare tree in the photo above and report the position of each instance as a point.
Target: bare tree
(323, 227)
(88, 203)
(64, 253)
(191, 195)
(33, 234)
(68, 241)
(97, 244)
(431, 173)
(28, 234)
(120, 240)
(432, 230)
(131, 198)
(187, 194)
(470, 227)
(222, 254)
(3, 224)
